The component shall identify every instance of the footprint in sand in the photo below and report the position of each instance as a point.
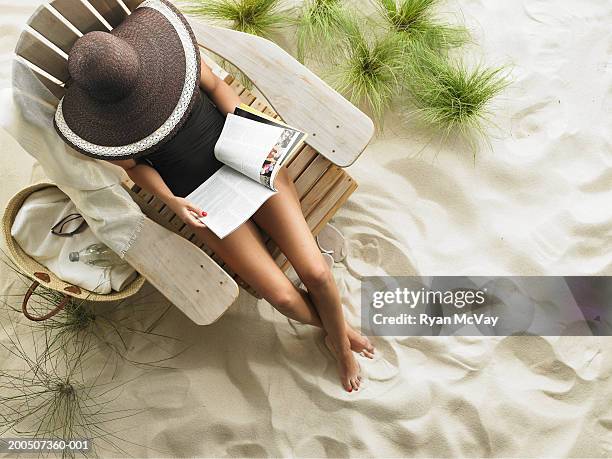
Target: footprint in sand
(533, 361)
(364, 252)
(606, 438)
(369, 255)
(385, 364)
(545, 117)
(247, 450)
(321, 446)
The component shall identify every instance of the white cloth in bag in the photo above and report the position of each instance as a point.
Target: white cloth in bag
(32, 231)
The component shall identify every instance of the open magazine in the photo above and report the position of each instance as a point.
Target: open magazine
(253, 148)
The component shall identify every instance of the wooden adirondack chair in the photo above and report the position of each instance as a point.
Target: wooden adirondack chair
(197, 281)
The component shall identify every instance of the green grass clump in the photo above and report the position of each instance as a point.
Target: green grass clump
(257, 17)
(450, 96)
(415, 21)
(263, 18)
(319, 24)
(59, 395)
(369, 70)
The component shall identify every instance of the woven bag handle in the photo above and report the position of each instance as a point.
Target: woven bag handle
(26, 298)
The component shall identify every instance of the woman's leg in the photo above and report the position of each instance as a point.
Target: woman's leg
(281, 217)
(282, 206)
(245, 253)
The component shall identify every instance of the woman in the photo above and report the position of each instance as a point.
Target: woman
(140, 98)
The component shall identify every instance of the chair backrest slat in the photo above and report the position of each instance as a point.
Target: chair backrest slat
(109, 10)
(53, 29)
(57, 90)
(38, 53)
(79, 15)
(132, 4)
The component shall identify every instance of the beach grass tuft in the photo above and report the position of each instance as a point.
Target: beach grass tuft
(257, 17)
(319, 25)
(61, 395)
(115, 326)
(369, 70)
(60, 375)
(451, 96)
(263, 18)
(416, 21)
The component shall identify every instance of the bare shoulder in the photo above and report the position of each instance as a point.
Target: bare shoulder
(208, 80)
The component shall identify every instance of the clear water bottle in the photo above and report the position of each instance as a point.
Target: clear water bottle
(97, 255)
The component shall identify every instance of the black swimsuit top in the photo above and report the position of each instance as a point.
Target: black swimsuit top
(188, 159)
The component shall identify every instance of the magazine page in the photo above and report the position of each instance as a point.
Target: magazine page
(249, 112)
(229, 198)
(245, 145)
(288, 143)
(279, 155)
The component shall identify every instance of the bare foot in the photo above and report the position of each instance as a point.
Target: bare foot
(359, 343)
(348, 368)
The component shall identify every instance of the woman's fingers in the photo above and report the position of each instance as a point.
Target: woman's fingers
(196, 209)
(194, 219)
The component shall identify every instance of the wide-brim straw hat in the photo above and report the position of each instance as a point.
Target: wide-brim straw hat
(132, 89)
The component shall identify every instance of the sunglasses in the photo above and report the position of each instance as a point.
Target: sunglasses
(69, 225)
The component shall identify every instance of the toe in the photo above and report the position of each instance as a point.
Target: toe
(355, 383)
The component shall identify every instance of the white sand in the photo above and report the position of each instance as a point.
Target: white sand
(538, 203)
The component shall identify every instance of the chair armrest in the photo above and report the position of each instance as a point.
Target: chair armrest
(336, 128)
(181, 272)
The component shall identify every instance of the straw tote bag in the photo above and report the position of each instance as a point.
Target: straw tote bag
(41, 275)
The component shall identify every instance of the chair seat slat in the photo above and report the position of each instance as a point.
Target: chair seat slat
(311, 174)
(327, 208)
(299, 163)
(319, 191)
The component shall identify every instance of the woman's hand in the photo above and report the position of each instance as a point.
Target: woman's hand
(149, 180)
(187, 212)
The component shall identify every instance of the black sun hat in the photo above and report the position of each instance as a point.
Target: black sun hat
(132, 89)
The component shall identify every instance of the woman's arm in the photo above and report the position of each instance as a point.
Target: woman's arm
(218, 90)
(149, 180)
